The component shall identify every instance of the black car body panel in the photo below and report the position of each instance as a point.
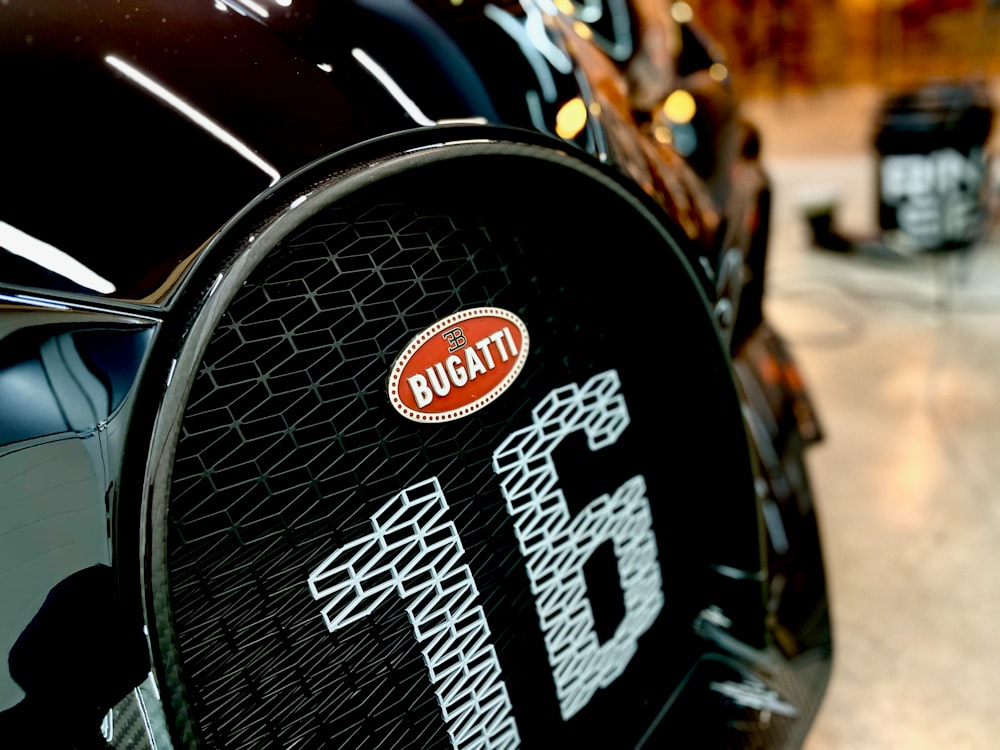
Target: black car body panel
(223, 221)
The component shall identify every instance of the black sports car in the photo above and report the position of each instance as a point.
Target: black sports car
(390, 374)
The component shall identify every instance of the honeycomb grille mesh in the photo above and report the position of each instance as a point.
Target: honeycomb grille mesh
(289, 446)
(286, 438)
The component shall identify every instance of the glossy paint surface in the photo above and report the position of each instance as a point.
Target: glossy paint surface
(67, 382)
(136, 132)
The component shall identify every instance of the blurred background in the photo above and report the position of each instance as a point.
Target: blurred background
(902, 353)
(777, 46)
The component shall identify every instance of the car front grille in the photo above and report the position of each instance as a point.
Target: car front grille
(289, 446)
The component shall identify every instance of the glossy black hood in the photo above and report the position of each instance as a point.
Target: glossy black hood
(134, 131)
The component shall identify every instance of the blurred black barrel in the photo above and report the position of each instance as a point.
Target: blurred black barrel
(932, 175)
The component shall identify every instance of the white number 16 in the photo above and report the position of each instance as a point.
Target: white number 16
(413, 555)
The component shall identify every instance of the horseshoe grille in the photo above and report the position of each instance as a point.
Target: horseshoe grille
(289, 446)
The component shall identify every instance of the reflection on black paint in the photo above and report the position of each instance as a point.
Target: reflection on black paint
(77, 658)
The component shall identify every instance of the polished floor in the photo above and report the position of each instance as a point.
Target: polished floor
(903, 359)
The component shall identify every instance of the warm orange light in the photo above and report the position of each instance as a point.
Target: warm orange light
(566, 7)
(680, 107)
(571, 119)
(583, 30)
(682, 12)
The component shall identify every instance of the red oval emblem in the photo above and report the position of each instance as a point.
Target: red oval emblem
(458, 365)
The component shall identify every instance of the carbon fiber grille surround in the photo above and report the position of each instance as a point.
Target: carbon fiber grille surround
(289, 446)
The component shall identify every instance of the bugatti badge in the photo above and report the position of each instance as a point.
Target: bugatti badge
(458, 365)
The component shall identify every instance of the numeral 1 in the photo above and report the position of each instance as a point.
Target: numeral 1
(413, 553)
